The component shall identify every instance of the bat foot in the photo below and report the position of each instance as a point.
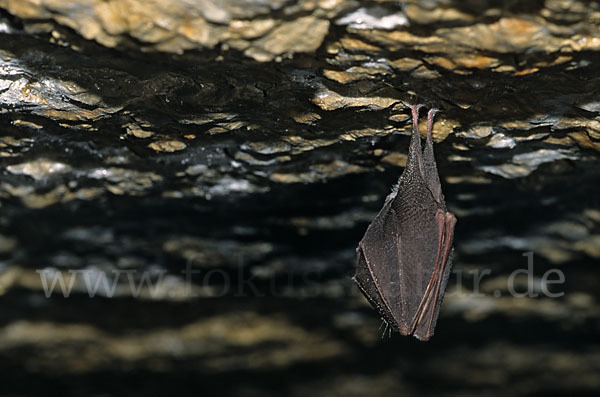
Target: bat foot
(416, 106)
(431, 114)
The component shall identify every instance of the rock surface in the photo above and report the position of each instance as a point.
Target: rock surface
(251, 143)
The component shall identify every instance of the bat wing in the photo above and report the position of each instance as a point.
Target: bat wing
(376, 261)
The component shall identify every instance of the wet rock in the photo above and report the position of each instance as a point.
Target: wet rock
(179, 25)
(318, 172)
(39, 169)
(167, 146)
(373, 18)
(525, 163)
(305, 34)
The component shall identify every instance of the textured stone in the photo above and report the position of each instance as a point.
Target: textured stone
(167, 146)
(252, 142)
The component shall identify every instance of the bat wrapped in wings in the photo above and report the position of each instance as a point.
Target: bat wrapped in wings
(405, 256)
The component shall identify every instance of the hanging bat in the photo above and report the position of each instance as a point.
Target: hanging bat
(405, 256)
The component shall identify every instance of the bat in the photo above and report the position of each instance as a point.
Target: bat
(405, 256)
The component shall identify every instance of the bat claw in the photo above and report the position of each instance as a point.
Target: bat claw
(430, 115)
(432, 112)
(413, 105)
(416, 107)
